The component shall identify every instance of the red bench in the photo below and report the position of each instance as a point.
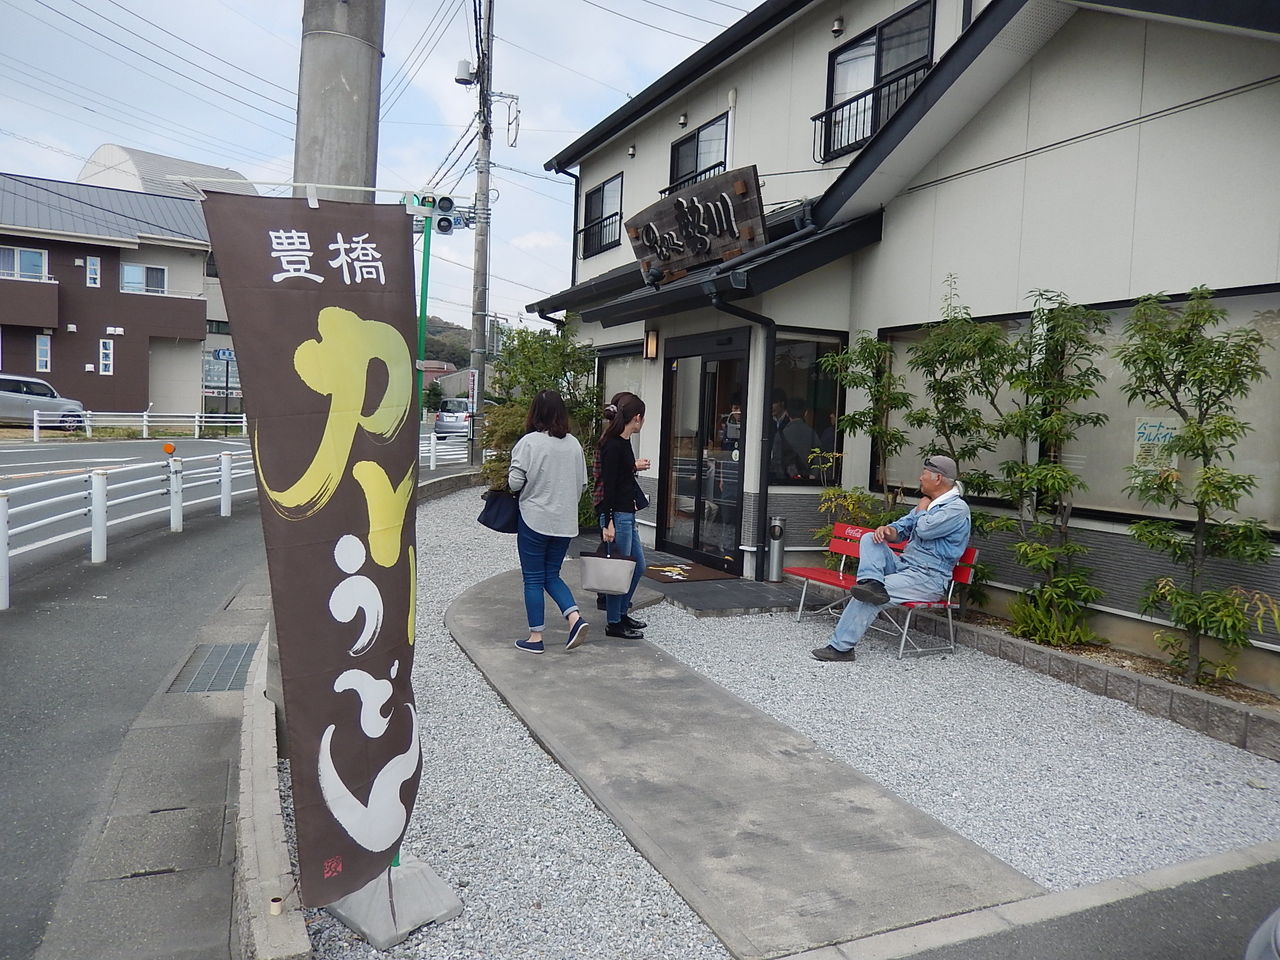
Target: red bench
(845, 542)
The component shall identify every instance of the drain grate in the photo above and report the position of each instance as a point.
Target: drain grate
(214, 668)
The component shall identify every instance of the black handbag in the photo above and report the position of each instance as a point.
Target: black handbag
(501, 511)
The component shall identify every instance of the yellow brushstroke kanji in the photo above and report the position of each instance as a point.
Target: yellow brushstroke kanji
(337, 365)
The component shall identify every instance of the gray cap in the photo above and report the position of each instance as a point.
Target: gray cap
(942, 465)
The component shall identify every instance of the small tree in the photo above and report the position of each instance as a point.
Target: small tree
(1175, 364)
(1052, 372)
(957, 357)
(432, 396)
(541, 360)
(867, 365)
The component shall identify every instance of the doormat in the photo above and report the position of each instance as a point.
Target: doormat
(685, 572)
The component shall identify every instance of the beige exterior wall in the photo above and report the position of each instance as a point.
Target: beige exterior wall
(175, 376)
(186, 267)
(770, 93)
(1053, 184)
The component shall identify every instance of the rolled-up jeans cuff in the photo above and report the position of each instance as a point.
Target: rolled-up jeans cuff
(538, 629)
(569, 611)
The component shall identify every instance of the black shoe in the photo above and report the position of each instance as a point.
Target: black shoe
(870, 591)
(633, 623)
(599, 601)
(832, 655)
(622, 631)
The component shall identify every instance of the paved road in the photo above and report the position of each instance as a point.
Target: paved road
(82, 651)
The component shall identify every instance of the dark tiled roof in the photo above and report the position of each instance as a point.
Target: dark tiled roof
(90, 211)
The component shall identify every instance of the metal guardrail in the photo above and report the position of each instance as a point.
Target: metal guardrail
(434, 451)
(99, 493)
(146, 421)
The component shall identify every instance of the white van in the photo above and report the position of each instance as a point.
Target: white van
(20, 397)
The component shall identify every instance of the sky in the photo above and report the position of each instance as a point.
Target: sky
(215, 82)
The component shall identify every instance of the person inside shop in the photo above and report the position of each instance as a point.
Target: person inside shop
(936, 533)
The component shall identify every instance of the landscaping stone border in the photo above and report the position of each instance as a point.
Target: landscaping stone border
(1255, 729)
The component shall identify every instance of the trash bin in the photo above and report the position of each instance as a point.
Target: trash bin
(777, 534)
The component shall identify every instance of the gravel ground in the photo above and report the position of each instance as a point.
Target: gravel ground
(1067, 787)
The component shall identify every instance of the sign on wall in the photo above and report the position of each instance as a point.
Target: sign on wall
(322, 313)
(713, 219)
(1150, 436)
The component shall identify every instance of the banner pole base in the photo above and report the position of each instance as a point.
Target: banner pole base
(392, 905)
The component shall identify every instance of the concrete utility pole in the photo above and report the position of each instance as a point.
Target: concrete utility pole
(480, 273)
(339, 95)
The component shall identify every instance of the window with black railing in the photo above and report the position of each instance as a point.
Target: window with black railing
(699, 155)
(602, 218)
(870, 78)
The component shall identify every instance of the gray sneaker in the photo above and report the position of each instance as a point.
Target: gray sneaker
(870, 591)
(832, 655)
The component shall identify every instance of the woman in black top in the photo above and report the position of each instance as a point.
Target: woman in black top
(618, 509)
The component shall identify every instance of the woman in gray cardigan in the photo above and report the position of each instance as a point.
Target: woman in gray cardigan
(549, 472)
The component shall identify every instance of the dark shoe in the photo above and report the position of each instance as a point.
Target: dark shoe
(870, 591)
(528, 646)
(577, 634)
(622, 631)
(599, 601)
(832, 655)
(633, 623)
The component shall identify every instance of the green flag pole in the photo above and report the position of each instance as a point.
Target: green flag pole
(428, 225)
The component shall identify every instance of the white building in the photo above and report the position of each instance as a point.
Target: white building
(1104, 149)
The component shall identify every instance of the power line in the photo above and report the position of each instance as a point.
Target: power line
(714, 23)
(292, 44)
(434, 178)
(81, 93)
(422, 59)
(194, 46)
(165, 66)
(642, 23)
(496, 276)
(413, 50)
(562, 66)
(459, 126)
(720, 3)
(530, 173)
(160, 80)
(521, 186)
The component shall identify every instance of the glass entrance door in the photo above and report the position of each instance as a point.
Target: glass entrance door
(702, 482)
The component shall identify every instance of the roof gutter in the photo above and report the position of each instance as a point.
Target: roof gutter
(807, 227)
(770, 346)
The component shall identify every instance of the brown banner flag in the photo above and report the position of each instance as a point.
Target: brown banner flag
(320, 302)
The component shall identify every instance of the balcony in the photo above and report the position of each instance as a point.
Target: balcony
(848, 126)
(706, 173)
(600, 235)
(28, 302)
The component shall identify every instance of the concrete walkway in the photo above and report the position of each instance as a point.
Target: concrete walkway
(778, 846)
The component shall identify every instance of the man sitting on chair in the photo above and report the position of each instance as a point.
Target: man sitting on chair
(937, 533)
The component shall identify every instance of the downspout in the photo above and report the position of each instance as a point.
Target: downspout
(573, 252)
(770, 345)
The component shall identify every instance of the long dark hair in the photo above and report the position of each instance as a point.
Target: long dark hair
(627, 405)
(547, 413)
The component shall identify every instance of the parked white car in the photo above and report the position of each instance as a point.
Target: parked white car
(20, 397)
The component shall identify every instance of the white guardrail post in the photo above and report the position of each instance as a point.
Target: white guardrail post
(175, 494)
(146, 424)
(224, 482)
(4, 550)
(88, 425)
(432, 453)
(35, 426)
(98, 516)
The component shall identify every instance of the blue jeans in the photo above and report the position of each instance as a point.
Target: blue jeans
(626, 543)
(540, 560)
(903, 582)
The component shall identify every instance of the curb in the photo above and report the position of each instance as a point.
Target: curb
(263, 870)
(1254, 729)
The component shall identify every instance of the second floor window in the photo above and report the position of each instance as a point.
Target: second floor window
(43, 353)
(870, 77)
(699, 155)
(21, 263)
(138, 278)
(93, 271)
(602, 217)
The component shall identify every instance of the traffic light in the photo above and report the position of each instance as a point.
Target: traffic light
(444, 214)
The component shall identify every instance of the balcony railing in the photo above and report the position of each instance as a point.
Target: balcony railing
(706, 173)
(599, 235)
(849, 125)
